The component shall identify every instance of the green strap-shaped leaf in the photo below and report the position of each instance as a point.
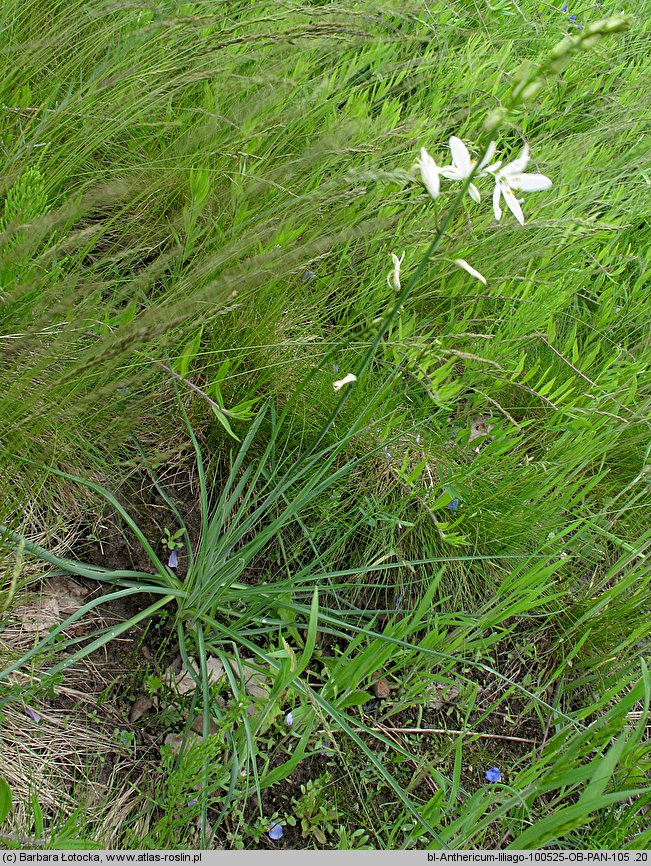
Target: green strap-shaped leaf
(5, 798)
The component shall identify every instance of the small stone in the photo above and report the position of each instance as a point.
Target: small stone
(380, 688)
(197, 726)
(175, 742)
(256, 684)
(480, 429)
(140, 706)
(184, 681)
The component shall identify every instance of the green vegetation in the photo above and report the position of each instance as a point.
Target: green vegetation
(336, 608)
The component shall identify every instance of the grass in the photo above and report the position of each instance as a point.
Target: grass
(197, 208)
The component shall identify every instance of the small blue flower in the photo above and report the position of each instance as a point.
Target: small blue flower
(493, 775)
(173, 561)
(193, 802)
(275, 832)
(308, 276)
(580, 25)
(572, 19)
(335, 368)
(453, 505)
(564, 9)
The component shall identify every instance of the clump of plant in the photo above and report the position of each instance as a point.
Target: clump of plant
(314, 811)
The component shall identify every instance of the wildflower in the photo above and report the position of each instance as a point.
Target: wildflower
(173, 561)
(348, 378)
(193, 801)
(289, 720)
(512, 179)
(335, 368)
(572, 19)
(393, 277)
(429, 172)
(275, 832)
(32, 715)
(564, 9)
(462, 263)
(493, 775)
(462, 166)
(453, 505)
(308, 276)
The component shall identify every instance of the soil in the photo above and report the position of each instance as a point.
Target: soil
(116, 546)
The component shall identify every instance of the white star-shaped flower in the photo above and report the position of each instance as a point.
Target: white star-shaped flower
(429, 171)
(512, 179)
(463, 165)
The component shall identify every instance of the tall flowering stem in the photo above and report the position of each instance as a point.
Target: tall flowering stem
(529, 80)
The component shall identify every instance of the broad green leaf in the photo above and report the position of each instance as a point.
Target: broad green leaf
(5, 798)
(188, 355)
(355, 700)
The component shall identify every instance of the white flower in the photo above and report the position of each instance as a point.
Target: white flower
(429, 171)
(393, 277)
(289, 719)
(512, 179)
(462, 165)
(339, 384)
(462, 263)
